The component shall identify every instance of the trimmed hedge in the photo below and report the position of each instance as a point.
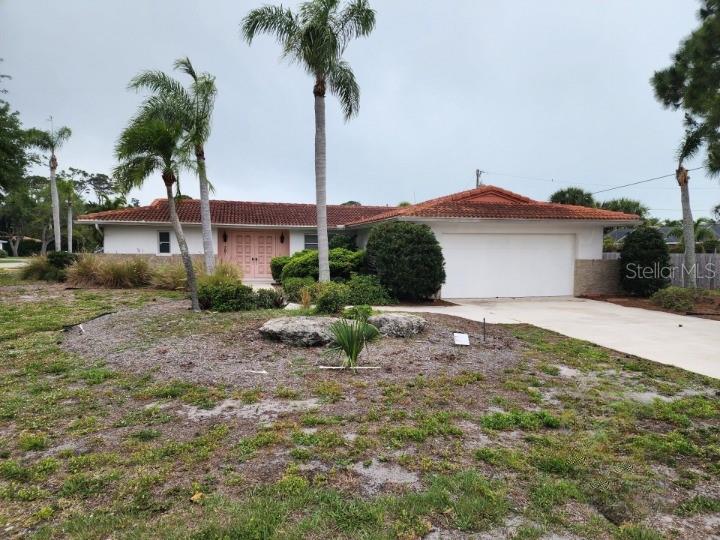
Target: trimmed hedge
(643, 258)
(343, 263)
(365, 289)
(342, 240)
(331, 297)
(407, 258)
(276, 266)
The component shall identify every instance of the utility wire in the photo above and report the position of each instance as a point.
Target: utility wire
(642, 181)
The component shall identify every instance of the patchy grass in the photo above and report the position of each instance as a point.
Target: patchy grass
(92, 451)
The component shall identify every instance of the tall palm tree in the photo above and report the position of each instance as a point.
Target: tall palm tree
(192, 109)
(316, 37)
(51, 141)
(689, 146)
(151, 145)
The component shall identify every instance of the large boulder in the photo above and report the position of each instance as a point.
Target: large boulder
(398, 324)
(302, 331)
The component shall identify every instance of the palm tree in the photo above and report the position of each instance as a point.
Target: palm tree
(691, 143)
(316, 37)
(573, 195)
(192, 109)
(148, 145)
(51, 141)
(702, 231)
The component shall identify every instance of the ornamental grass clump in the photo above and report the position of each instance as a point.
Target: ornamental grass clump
(350, 338)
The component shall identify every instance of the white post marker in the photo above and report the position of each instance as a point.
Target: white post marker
(461, 339)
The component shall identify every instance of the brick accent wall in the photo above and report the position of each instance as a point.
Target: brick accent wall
(597, 277)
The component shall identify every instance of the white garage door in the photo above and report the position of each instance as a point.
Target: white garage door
(508, 265)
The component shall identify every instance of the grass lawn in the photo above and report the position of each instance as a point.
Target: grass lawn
(526, 435)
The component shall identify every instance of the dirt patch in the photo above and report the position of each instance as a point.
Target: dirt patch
(707, 307)
(263, 411)
(377, 474)
(163, 338)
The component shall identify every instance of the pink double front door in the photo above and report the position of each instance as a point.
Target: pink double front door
(252, 250)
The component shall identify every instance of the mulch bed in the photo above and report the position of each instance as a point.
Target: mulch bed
(705, 308)
(212, 348)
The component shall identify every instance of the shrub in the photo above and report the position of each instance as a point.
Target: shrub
(343, 263)
(224, 273)
(407, 258)
(125, 273)
(169, 276)
(276, 266)
(292, 287)
(85, 271)
(358, 313)
(366, 289)
(61, 259)
(3, 254)
(39, 268)
(350, 338)
(677, 298)
(330, 297)
(226, 296)
(269, 299)
(342, 240)
(643, 256)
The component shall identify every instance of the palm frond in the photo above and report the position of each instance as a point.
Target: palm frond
(133, 171)
(274, 20)
(37, 138)
(342, 84)
(184, 65)
(158, 82)
(692, 141)
(356, 20)
(61, 136)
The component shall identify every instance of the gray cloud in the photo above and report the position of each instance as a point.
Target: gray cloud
(553, 89)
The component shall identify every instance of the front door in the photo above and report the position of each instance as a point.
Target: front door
(253, 250)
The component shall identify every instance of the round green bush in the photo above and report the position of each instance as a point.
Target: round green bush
(342, 240)
(226, 296)
(276, 266)
(407, 258)
(61, 259)
(292, 287)
(678, 298)
(644, 262)
(330, 297)
(366, 289)
(3, 254)
(343, 263)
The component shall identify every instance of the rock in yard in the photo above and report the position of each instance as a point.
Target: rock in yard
(398, 324)
(303, 331)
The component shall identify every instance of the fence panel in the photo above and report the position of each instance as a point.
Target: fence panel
(708, 265)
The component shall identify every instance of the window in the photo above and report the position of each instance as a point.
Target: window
(163, 242)
(311, 241)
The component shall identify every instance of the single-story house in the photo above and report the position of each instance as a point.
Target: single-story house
(496, 243)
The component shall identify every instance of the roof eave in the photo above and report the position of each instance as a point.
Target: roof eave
(604, 222)
(224, 225)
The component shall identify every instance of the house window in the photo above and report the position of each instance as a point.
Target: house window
(163, 242)
(311, 241)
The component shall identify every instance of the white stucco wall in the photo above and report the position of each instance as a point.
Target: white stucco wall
(143, 239)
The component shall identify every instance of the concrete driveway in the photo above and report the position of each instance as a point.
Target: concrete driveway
(687, 342)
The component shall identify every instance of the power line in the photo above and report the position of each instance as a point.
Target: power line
(642, 181)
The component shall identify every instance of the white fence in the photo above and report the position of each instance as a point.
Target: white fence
(708, 268)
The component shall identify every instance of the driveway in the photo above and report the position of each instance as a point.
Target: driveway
(690, 343)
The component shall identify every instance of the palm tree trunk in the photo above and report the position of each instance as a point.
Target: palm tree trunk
(321, 180)
(55, 202)
(205, 219)
(69, 228)
(184, 252)
(689, 270)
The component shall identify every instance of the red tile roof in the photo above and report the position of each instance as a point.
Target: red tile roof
(491, 202)
(485, 202)
(238, 213)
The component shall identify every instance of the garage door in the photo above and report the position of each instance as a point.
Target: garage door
(508, 265)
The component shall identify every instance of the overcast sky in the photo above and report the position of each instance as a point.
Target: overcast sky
(542, 90)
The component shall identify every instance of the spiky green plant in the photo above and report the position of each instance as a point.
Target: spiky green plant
(350, 338)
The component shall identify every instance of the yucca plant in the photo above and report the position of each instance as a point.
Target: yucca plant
(350, 338)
